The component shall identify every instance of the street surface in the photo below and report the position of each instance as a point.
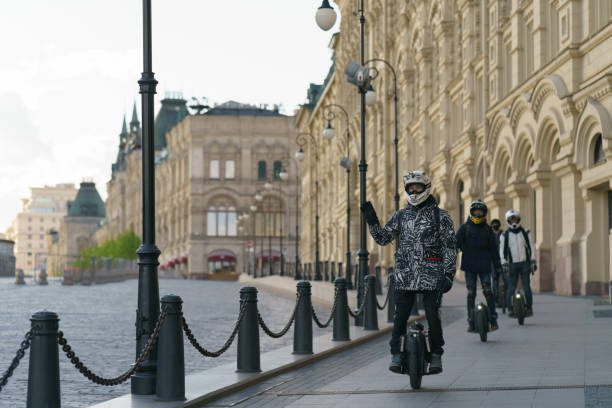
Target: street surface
(559, 358)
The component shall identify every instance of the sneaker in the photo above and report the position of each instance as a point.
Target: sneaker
(494, 325)
(435, 366)
(396, 363)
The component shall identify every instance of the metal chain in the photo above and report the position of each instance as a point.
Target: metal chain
(281, 333)
(331, 316)
(25, 344)
(227, 344)
(82, 368)
(384, 304)
(362, 307)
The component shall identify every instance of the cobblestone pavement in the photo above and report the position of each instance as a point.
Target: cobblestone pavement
(98, 322)
(559, 358)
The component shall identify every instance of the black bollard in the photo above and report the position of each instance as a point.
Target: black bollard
(340, 269)
(370, 319)
(378, 280)
(43, 372)
(359, 286)
(333, 272)
(170, 381)
(248, 334)
(391, 292)
(327, 271)
(349, 280)
(309, 271)
(302, 334)
(341, 317)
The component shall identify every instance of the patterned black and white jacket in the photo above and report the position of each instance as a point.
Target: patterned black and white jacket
(425, 249)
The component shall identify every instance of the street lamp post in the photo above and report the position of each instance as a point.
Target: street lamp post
(147, 313)
(301, 139)
(345, 162)
(324, 18)
(284, 174)
(268, 186)
(283, 177)
(395, 139)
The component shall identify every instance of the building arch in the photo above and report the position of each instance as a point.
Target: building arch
(594, 119)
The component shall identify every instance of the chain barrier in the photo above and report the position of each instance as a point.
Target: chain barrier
(281, 333)
(82, 368)
(384, 304)
(25, 344)
(331, 316)
(361, 308)
(227, 344)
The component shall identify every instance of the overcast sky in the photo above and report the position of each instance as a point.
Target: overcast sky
(69, 72)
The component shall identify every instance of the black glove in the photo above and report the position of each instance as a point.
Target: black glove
(447, 283)
(534, 267)
(369, 213)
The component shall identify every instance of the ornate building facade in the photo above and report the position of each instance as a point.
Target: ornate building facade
(512, 105)
(209, 167)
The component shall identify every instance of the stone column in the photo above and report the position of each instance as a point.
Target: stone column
(544, 246)
(594, 264)
(568, 251)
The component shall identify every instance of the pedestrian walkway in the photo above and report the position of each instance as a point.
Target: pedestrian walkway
(559, 358)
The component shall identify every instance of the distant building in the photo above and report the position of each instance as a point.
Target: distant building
(76, 229)
(208, 168)
(7, 259)
(41, 212)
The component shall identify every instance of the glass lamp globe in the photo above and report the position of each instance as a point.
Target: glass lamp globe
(299, 154)
(370, 96)
(283, 175)
(258, 197)
(328, 132)
(325, 16)
(253, 208)
(268, 185)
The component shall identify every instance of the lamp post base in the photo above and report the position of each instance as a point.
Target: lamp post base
(143, 383)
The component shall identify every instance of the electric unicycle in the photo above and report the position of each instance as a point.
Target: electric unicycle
(416, 355)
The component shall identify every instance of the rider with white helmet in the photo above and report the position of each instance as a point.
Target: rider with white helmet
(517, 253)
(424, 261)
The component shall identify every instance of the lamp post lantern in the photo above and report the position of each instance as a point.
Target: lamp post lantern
(301, 139)
(147, 313)
(346, 163)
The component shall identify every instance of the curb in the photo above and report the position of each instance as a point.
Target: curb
(231, 389)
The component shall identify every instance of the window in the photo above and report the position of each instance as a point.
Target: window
(29, 228)
(42, 219)
(214, 169)
(29, 245)
(29, 236)
(261, 170)
(598, 154)
(29, 219)
(230, 169)
(221, 222)
(42, 236)
(278, 166)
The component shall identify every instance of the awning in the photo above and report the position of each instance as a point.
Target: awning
(221, 255)
(265, 255)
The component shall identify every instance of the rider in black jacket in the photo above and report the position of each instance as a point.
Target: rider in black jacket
(477, 242)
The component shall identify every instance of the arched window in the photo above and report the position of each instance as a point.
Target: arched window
(214, 169)
(221, 222)
(261, 170)
(211, 222)
(278, 166)
(598, 154)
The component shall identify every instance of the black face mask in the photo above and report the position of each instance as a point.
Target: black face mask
(495, 227)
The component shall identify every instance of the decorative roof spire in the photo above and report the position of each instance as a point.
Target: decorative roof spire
(134, 123)
(124, 132)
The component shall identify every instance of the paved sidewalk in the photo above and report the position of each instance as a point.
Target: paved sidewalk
(559, 358)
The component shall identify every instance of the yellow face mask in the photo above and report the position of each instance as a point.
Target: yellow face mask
(477, 220)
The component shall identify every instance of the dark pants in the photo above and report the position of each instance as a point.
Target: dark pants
(506, 280)
(404, 300)
(485, 281)
(523, 270)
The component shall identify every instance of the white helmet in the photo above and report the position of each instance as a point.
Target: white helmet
(510, 214)
(417, 177)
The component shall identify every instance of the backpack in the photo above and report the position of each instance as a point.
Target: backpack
(508, 254)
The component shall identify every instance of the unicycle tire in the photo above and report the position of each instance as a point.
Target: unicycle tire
(521, 319)
(415, 362)
(483, 322)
